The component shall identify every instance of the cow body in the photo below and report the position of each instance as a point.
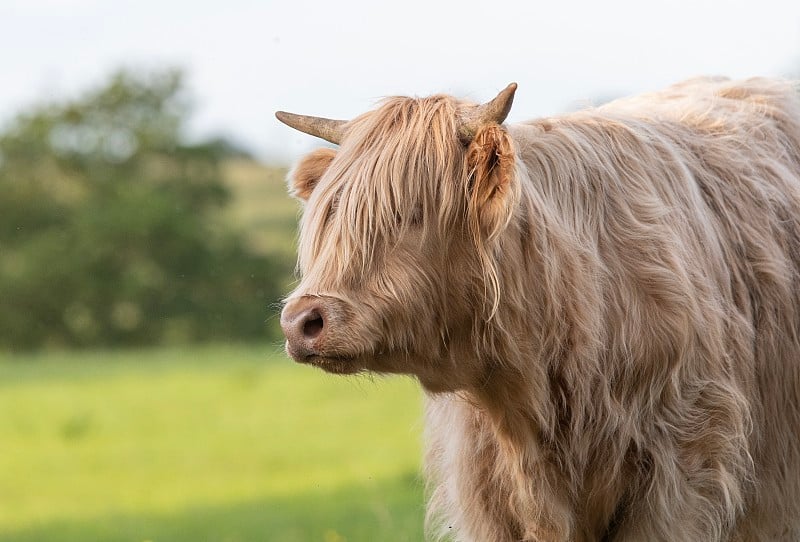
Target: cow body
(603, 308)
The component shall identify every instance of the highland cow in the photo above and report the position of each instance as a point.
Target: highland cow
(603, 308)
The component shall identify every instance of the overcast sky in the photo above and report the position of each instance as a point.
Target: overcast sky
(245, 58)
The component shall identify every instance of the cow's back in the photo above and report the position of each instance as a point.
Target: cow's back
(752, 190)
(739, 220)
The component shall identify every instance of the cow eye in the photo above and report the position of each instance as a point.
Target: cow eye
(333, 206)
(416, 216)
(412, 218)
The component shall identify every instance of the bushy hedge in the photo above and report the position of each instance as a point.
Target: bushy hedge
(110, 229)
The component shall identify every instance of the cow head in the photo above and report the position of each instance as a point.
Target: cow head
(397, 237)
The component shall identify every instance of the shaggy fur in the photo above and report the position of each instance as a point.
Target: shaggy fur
(603, 308)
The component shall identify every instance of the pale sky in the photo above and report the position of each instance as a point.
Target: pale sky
(246, 58)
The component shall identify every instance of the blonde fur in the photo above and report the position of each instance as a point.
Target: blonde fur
(603, 307)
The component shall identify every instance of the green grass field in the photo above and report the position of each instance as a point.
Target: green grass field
(221, 443)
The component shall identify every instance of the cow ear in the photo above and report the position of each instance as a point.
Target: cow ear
(305, 176)
(491, 186)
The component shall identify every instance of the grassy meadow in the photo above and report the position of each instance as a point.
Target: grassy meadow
(214, 443)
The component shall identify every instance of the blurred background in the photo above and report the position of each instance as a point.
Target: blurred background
(146, 240)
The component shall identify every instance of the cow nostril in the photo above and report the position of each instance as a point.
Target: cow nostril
(313, 325)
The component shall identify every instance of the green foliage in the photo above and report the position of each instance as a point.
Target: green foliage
(208, 443)
(111, 228)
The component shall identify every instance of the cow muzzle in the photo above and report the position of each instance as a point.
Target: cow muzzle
(308, 323)
(304, 324)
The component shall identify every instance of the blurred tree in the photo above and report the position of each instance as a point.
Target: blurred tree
(110, 229)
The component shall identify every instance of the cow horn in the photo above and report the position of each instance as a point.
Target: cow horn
(328, 129)
(494, 111)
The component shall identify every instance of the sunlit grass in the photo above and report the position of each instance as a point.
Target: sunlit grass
(215, 443)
